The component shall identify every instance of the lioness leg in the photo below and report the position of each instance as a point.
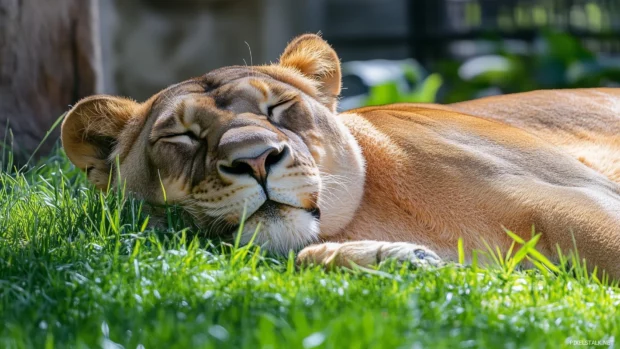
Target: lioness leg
(367, 253)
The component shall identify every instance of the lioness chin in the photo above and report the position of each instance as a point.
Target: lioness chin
(400, 182)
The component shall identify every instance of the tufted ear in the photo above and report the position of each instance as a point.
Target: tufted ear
(313, 57)
(90, 133)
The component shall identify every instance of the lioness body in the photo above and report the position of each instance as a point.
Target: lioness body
(434, 173)
(402, 182)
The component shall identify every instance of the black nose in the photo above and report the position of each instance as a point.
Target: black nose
(315, 212)
(257, 167)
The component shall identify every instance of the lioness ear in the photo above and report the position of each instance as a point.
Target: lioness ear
(90, 132)
(314, 58)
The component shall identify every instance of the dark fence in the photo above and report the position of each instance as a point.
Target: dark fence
(429, 29)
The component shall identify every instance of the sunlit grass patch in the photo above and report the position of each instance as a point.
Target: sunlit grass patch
(83, 268)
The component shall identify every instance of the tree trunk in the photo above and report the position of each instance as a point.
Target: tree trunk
(49, 59)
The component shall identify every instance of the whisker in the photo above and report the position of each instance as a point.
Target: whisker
(251, 72)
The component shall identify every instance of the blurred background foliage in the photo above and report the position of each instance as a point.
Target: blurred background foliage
(475, 48)
(392, 50)
(559, 61)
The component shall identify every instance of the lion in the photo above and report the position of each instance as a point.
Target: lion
(265, 145)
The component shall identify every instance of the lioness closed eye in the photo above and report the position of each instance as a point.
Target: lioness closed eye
(401, 181)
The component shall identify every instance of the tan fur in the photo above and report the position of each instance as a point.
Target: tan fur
(401, 182)
(441, 175)
(90, 124)
(315, 59)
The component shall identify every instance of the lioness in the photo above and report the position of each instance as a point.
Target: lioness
(402, 181)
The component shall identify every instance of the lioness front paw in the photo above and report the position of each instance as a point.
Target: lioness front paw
(367, 253)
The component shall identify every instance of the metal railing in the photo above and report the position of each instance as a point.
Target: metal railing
(433, 25)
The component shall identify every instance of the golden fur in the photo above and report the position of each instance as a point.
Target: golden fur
(402, 181)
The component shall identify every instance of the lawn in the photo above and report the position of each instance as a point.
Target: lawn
(83, 269)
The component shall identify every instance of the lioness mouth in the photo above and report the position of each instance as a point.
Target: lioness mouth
(271, 209)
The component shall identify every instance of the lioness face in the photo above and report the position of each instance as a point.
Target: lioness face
(261, 141)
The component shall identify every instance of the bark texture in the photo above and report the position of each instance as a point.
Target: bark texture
(49, 59)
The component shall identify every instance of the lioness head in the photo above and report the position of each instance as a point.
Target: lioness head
(263, 138)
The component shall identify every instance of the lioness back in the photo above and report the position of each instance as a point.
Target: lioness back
(584, 123)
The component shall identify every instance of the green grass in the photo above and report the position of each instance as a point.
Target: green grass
(83, 269)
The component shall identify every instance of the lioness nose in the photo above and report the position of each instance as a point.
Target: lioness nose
(257, 167)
